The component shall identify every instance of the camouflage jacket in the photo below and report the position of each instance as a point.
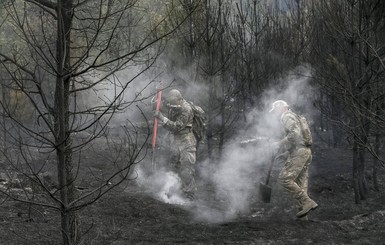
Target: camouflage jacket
(180, 124)
(293, 136)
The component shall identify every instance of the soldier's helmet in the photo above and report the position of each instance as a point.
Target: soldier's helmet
(278, 103)
(174, 96)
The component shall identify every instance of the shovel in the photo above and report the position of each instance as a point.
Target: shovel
(264, 188)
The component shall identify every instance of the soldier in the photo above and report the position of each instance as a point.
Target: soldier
(294, 174)
(183, 143)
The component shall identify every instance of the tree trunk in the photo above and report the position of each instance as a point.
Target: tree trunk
(356, 187)
(210, 145)
(211, 91)
(375, 163)
(62, 136)
(361, 174)
(222, 82)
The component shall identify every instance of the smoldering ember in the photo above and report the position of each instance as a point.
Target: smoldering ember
(192, 122)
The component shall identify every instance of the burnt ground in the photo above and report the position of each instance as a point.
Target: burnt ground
(132, 215)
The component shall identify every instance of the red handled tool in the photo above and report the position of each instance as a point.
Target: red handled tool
(155, 131)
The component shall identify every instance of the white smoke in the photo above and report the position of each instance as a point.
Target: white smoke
(296, 90)
(235, 178)
(163, 185)
(130, 90)
(237, 175)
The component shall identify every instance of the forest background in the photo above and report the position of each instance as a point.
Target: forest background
(73, 72)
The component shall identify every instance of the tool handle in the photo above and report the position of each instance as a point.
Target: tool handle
(158, 103)
(270, 167)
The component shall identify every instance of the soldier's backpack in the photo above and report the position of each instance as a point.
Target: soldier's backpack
(199, 122)
(306, 132)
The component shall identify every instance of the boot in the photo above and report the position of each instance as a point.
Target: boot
(299, 207)
(303, 218)
(307, 206)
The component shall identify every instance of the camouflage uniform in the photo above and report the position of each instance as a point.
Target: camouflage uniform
(183, 145)
(294, 174)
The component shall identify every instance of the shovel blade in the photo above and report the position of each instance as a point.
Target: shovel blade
(265, 192)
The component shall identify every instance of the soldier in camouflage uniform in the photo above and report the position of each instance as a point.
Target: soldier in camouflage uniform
(183, 142)
(294, 174)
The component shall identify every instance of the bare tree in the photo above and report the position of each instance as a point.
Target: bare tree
(63, 51)
(349, 52)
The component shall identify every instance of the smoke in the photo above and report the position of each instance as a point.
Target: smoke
(295, 88)
(235, 178)
(163, 185)
(130, 91)
(230, 187)
(237, 175)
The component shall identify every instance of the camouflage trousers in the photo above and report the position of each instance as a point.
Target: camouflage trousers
(182, 160)
(294, 174)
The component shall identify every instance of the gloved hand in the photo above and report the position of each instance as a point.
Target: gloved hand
(275, 146)
(159, 115)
